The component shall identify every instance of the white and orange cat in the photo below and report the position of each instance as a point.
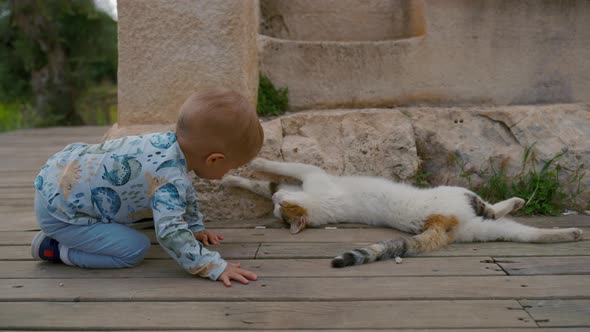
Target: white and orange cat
(438, 216)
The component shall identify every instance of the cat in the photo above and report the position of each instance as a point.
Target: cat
(438, 216)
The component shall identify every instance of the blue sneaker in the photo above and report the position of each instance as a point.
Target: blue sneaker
(45, 248)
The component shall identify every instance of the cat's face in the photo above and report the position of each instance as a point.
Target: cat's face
(290, 211)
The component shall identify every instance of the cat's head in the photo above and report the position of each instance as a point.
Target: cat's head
(289, 209)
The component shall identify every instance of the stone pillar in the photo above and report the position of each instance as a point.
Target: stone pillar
(168, 49)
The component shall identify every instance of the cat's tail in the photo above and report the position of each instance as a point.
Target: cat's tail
(438, 232)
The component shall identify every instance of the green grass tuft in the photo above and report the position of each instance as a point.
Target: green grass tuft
(271, 101)
(547, 191)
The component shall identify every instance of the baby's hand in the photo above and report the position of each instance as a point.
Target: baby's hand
(207, 237)
(233, 272)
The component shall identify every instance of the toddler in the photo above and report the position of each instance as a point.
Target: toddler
(86, 195)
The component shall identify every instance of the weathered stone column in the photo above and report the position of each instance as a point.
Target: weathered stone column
(168, 49)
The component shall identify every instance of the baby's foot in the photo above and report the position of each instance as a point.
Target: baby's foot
(45, 248)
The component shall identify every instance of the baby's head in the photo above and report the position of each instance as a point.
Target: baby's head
(218, 130)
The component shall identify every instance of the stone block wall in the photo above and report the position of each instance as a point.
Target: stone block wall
(168, 49)
(457, 52)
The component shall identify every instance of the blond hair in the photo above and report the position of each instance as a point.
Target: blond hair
(223, 121)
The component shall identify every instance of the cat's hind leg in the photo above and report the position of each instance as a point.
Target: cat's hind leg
(480, 207)
(263, 188)
(294, 170)
(508, 206)
(508, 230)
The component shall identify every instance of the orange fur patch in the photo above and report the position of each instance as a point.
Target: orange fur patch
(438, 232)
(446, 223)
(291, 210)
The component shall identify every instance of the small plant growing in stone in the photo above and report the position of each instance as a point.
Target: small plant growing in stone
(547, 191)
(271, 101)
(422, 178)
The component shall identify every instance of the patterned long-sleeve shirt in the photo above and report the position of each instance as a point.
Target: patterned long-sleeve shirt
(126, 180)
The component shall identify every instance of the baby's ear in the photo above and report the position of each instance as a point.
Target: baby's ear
(214, 158)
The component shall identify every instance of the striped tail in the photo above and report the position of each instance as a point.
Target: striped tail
(438, 232)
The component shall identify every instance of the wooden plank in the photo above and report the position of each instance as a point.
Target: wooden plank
(559, 313)
(43, 133)
(579, 220)
(504, 249)
(310, 235)
(320, 236)
(18, 194)
(297, 289)
(8, 251)
(257, 235)
(545, 265)
(459, 266)
(18, 221)
(18, 204)
(564, 329)
(24, 179)
(265, 315)
(510, 249)
(227, 251)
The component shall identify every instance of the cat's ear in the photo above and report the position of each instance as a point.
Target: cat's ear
(298, 225)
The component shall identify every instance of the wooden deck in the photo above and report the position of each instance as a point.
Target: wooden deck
(483, 287)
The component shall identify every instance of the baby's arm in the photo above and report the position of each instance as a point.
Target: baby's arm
(194, 218)
(169, 205)
(175, 235)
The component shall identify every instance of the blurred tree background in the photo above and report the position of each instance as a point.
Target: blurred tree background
(58, 64)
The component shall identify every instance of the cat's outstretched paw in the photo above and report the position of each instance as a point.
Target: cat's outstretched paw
(577, 234)
(231, 181)
(517, 203)
(259, 164)
(562, 235)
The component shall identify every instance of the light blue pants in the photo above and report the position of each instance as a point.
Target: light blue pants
(99, 245)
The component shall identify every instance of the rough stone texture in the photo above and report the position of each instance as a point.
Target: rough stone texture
(498, 52)
(219, 203)
(366, 142)
(168, 49)
(341, 20)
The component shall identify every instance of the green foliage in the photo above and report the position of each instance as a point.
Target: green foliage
(270, 100)
(98, 105)
(422, 179)
(547, 191)
(51, 52)
(10, 117)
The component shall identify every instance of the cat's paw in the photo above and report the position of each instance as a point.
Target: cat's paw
(562, 235)
(517, 203)
(231, 181)
(259, 164)
(577, 234)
